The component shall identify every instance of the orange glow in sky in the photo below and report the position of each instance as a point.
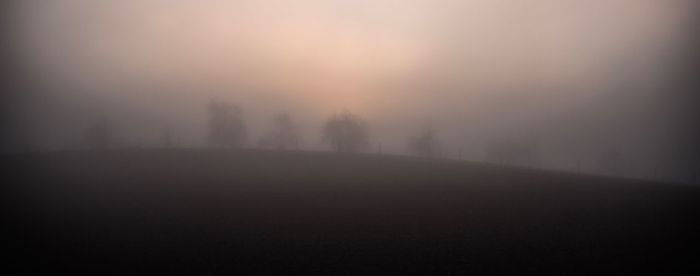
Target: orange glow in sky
(337, 54)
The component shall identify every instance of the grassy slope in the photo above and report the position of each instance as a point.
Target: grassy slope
(278, 211)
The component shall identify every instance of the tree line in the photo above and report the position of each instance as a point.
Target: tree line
(343, 132)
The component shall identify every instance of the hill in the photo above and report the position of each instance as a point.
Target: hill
(206, 211)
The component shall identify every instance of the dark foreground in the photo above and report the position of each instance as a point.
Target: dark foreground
(206, 212)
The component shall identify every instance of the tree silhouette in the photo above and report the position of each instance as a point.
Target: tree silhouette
(425, 143)
(226, 125)
(346, 132)
(283, 134)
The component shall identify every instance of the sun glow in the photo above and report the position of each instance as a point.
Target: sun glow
(337, 54)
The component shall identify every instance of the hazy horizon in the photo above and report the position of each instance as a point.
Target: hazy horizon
(579, 77)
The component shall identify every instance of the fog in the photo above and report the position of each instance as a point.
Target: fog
(578, 77)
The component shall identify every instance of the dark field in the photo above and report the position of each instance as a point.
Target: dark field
(207, 212)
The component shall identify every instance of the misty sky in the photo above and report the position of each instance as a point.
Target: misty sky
(574, 74)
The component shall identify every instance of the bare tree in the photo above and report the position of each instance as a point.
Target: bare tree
(425, 143)
(99, 135)
(283, 134)
(346, 132)
(226, 125)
